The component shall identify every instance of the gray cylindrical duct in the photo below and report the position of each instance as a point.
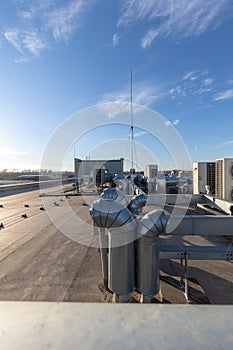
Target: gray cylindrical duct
(110, 212)
(137, 203)
(103, 239)
(121, 259)
(150, 227)
(151, 186)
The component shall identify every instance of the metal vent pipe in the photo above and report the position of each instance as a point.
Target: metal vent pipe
(137, 203)
(117, 232)
(150, 227)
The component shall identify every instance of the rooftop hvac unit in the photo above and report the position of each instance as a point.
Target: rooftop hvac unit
(151, 171)
(224, 179)
(203, 175)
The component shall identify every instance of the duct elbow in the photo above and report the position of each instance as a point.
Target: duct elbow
(137, 203)
(153, 223)
(111, 210)
(114, 194)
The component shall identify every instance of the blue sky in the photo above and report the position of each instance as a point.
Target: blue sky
(59, 57)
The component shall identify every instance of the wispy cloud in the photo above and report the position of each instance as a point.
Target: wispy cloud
(223, 144)
(42, 21)
(33, 41)
(118, 96)
(208, 81)
(174, 122)
(174, 18)
(224, 95)
(194, 82)
(111, 110)
(140, 133)
(149, 38)
(143, 94)
(190, 75)
(12, 36)
(194, 86)
(115, 40)
(30, 40)
(65, 20)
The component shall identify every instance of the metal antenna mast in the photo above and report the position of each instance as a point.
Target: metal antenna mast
(131, 128)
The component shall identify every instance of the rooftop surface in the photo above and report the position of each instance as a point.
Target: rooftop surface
(72, 309)
(39, 263)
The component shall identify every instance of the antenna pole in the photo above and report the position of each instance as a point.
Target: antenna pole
(131, 127)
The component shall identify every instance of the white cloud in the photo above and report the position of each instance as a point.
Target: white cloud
(33, 42)
(140, 133)
(30, 9)
(114, 108)
(21, 59)
(143, 94)
(179, 90)
(115, 40)
(223, 144)
(65, 20)
(149, 38)
(225, 95)
(202, 90)
(192, 83)
(42, 20)
(190, 76)
(175, 18)
(176, 121)
(12, 36)
(195, 84)
(135, 10)
(119, 96)
(208, 81)
(22, 41)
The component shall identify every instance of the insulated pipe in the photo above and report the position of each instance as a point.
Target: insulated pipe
(201, 225)
(150, 227)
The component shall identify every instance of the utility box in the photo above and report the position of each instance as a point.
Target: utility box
(151, 171)
(203, 175)
(224, 179)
